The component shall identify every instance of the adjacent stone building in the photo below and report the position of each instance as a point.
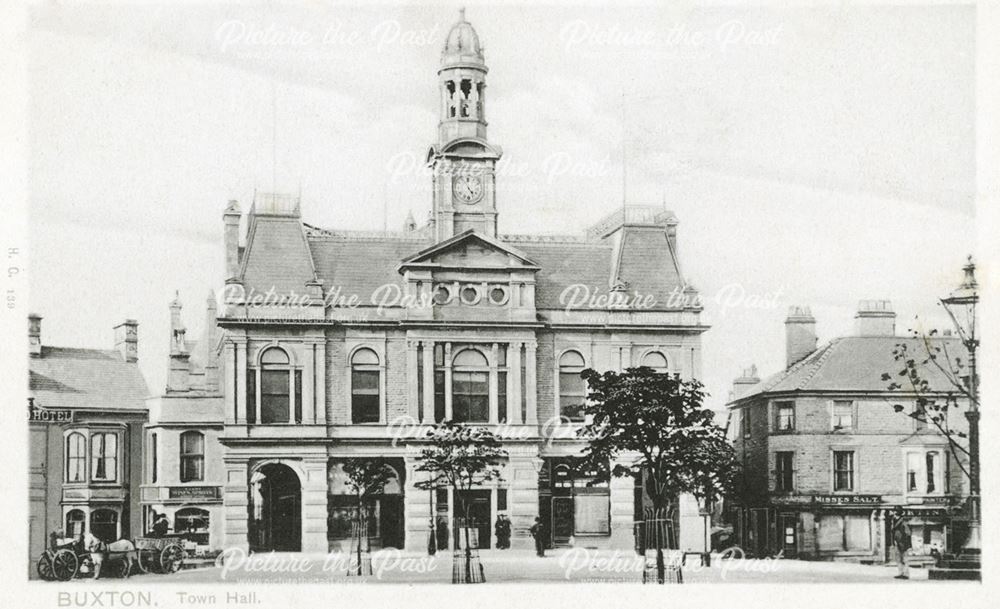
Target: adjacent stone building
(85, 416)
(826, 456)
(339, 344)
(184, 471)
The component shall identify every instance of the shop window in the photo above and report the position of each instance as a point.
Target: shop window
(104, 525)
(844, 533)
(591, 514)
(192, 456)
(843, 416)
(104, 457)
(572, 387)
(192, 524)
(76, 457)
(470, 392)
(655, 360)
(275, 392)
(75, 523)
(843, 470)
(784, 471)
(784, 416)
(365, 387)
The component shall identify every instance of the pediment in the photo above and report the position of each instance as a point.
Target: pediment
(469, 250)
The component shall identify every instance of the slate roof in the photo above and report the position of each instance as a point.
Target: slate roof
(92, 379)
(285, 254)
(855, 364)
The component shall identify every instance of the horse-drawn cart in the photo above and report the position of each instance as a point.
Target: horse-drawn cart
(159, 554)
(70, 558)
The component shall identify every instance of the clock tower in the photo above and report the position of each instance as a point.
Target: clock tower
(463, 162)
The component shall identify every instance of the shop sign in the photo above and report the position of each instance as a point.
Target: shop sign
(847, 499)
(194, 492)
(37, 414)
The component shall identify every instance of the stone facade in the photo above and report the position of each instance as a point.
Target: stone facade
(825, 453)
(339, 344)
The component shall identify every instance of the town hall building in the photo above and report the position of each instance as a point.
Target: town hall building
(336, 344)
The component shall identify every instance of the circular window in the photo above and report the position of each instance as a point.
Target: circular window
(498, 295)
(442, 295)
(470, 295)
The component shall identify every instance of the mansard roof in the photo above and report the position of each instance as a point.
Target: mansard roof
(91, 379)
(285, 254)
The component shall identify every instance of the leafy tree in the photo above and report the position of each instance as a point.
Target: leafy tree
(932, 371)
(460, 458)
(365, 477)
(657, 422)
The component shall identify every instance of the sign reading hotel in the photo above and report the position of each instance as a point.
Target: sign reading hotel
(37, 414)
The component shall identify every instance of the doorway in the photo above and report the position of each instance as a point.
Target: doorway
(479, 515)
(275, 510)
(788, 526)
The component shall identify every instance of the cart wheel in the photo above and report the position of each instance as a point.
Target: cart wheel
(144, 560)
(44, 567)
(171, 559)
(64, 565)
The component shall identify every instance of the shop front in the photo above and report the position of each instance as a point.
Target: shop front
(573, 502)
(383, 517)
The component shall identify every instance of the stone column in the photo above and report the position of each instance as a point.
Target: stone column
(522, 498)
(531, 369)
(308, 370)
(314, 504)
(428, 383)
(411, 379)
(235, 500)
(229, 383)
(514, 383)
(494, 414)
(321, 382)
(241, 381)
(448, 413)
(417, 509)
(622, 513)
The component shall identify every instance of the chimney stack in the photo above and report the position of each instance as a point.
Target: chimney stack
(748, 379)
(231, 238)
(179, 368)
(875, 318)
(800, 334)
(34, 334)
(127, 340)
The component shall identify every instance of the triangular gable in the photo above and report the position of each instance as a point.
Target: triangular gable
(470, 249)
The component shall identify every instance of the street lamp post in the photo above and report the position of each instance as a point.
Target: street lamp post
(963, 301)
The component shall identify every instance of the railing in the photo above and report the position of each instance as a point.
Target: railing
(275, 204)
(631, 214)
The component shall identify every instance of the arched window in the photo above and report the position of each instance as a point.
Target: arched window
(104, 457)
(75, 523)
(76, 457)
(572, 388)
(104, 525)
(470, 387)
(192, 456)
(655, 360)
(275, 393)
(365, 386)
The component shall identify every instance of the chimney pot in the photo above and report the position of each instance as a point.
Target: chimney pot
(800, 334)
(34, 334)
(127, 340)
(875, 318)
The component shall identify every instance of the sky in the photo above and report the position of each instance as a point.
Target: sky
(813, 156)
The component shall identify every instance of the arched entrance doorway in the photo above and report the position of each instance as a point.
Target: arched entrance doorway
(275, 509)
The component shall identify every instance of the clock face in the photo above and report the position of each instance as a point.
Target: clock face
(468, 188)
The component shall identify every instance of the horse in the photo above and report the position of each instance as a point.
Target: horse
(101, 551)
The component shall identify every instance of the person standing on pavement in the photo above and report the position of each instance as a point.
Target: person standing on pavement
(538, 532)
(901, 539)
(498, 531)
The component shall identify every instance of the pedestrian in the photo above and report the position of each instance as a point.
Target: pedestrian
(506, 532)
(498, 531)
(901, 539)
(161, 526)
(538, 532)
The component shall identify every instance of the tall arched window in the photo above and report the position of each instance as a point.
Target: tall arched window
(192, 456)
(76, 457)
(275, 392)
(104, 457)
(572, 388)
(655, 360)
(75, 523)
(365, 386)
(470, 387)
